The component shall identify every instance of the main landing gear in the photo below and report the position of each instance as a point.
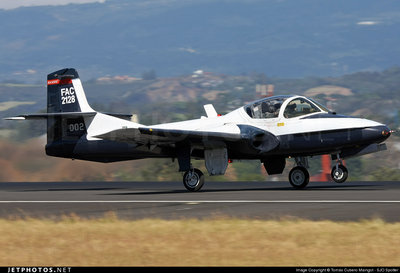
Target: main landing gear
(299, 177)
(193, 179)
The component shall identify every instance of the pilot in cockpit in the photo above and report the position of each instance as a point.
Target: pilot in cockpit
(268, 110)
(290, 110)
(277, 107)
(264, 109)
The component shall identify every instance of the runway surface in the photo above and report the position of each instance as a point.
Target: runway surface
(350, 201)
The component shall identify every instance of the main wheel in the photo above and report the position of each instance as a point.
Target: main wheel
(340, 174)
(299, 177)
(193, 180)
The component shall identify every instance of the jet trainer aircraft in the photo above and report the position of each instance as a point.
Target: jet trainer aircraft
(270, 130)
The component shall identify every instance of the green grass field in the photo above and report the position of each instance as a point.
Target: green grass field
(213, 242)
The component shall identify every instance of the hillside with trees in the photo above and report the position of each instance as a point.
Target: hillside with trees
(281, 38)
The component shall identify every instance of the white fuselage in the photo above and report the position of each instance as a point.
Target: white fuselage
(277, 126)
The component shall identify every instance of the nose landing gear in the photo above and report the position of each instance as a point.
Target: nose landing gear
(339, 172)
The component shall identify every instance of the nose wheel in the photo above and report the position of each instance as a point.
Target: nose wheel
(193, 180)
(339, 173)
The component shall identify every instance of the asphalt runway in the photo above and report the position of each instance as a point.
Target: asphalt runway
(350, 201)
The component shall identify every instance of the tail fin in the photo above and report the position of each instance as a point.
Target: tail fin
(67, 108)
(65, 92)
(69, 116)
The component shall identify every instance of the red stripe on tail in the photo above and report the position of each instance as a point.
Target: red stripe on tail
(53, 82)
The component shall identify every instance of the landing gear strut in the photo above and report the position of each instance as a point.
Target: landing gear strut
(299, 176)
(339, 171)
(193, 179)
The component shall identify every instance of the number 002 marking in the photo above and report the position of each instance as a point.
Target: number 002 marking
(75, 127)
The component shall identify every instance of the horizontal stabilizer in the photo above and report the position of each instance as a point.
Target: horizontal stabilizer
(47, 115)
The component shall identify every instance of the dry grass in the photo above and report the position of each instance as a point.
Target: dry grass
(233, 242)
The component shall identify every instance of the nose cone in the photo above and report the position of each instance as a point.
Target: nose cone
(386, 132)
(376, 134)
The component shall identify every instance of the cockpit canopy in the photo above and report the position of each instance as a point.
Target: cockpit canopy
(265, 108)
(271, 107)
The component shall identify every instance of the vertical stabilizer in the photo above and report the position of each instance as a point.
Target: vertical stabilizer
(65, 92)
(65, 95)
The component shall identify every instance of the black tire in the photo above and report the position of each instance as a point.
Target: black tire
(193, 180)
(340, 175)
(299, 177)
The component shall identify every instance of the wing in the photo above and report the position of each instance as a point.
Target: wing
(255, 138)
(158, 136)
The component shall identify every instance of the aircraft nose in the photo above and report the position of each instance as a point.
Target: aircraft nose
(386, 131)
(378, 133)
